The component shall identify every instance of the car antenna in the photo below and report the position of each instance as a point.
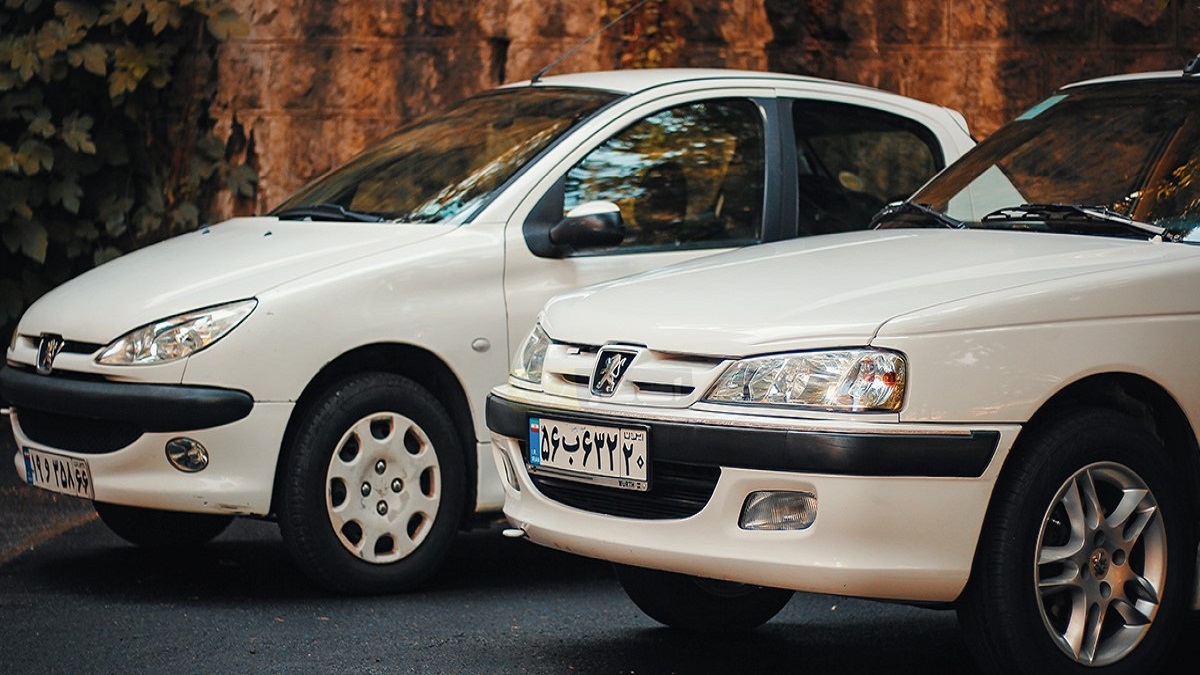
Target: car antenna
(538, 75)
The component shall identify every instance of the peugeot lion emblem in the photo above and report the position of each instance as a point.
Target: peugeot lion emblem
(48, 348)
(610, 367)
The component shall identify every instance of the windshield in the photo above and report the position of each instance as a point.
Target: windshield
(1116, 159)
(443, 167)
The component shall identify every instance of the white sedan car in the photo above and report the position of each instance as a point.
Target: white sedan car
(328, 364)
(989, 402)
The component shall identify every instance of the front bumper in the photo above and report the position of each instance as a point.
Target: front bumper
(151, 407)
(900, 506)
(121, 429)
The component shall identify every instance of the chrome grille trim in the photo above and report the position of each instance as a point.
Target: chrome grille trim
(654, 378)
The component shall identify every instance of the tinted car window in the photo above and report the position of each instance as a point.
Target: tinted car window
(853, 160)
(687, 177)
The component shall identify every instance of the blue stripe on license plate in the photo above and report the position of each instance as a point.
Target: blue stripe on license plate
(535, 441)
(28, 466)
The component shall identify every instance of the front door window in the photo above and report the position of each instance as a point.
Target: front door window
(690, 176)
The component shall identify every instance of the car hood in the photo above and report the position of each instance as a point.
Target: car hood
(827, 291)
(236, 259)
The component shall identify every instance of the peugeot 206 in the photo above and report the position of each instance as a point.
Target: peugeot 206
(987, 402)
(327, 364)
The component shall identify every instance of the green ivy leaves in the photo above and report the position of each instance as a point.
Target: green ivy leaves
(105, 143)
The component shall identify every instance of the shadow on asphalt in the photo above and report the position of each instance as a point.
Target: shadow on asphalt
(250, 561)
(542, 593)
(540, 589)
(782, 646)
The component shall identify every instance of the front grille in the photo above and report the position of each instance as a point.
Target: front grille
(68, 347)
(669, 389)
(77, 347)
(677, 491)
(76, 434)
(653, 378)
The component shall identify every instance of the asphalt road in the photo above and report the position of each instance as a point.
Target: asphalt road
(75, 599)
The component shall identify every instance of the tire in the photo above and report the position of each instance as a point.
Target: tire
(151, 528)
(373, 488)
(1055, 588)
(700, 605)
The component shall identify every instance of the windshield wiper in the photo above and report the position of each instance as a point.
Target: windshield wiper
(329, 212)
(1071, 212)
(888, 212)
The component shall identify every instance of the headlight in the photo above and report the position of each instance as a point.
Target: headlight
(175, 337)
(527, 361)
(850, 380)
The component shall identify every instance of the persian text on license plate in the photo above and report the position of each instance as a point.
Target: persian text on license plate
(590, 453)
(57, 473)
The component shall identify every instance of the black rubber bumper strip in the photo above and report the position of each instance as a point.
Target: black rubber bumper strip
(849, 454)
(153, 407)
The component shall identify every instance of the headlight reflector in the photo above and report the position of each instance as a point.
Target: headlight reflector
(853, 380)
(175, 337)
(528, 359)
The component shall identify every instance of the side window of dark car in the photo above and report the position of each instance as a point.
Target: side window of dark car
(851, 161)
(690, 176)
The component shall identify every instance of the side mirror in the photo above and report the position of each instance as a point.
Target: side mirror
(590, 225)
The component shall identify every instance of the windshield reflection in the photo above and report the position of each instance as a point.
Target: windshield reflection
(1130, 148)
(442, 168)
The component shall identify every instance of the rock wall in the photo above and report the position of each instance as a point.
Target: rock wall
(315, 81)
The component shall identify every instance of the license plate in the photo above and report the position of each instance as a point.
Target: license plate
(57, 473)
(590, 453)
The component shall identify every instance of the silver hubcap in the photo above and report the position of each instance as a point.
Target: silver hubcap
(1101, 564)
(383, 487)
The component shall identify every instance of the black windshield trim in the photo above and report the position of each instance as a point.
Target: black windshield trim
(1070, 213)
(918, 208)
(335, 212)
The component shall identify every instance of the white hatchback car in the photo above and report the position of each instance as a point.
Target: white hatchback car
(990, 402)
(328, 363)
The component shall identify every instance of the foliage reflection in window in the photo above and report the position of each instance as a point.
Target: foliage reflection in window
(687, 177)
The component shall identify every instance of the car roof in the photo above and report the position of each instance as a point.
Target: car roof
(636, 80)
(1129, 77)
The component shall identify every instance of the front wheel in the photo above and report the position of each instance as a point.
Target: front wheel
(373, 488)
(152, 528)
(701, 605)
(1084, 562)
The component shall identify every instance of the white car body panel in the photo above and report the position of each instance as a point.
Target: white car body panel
(238, 481)
(237, 259)
(837, 313)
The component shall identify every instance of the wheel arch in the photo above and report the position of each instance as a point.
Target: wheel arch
(418, 364)
(1137, 397)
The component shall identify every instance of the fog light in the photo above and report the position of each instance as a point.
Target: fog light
(778, 511)
(187, 455)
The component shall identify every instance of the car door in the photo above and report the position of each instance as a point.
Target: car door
(689, 176)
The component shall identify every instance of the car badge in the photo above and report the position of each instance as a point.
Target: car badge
(48, 348)
(610, 367)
